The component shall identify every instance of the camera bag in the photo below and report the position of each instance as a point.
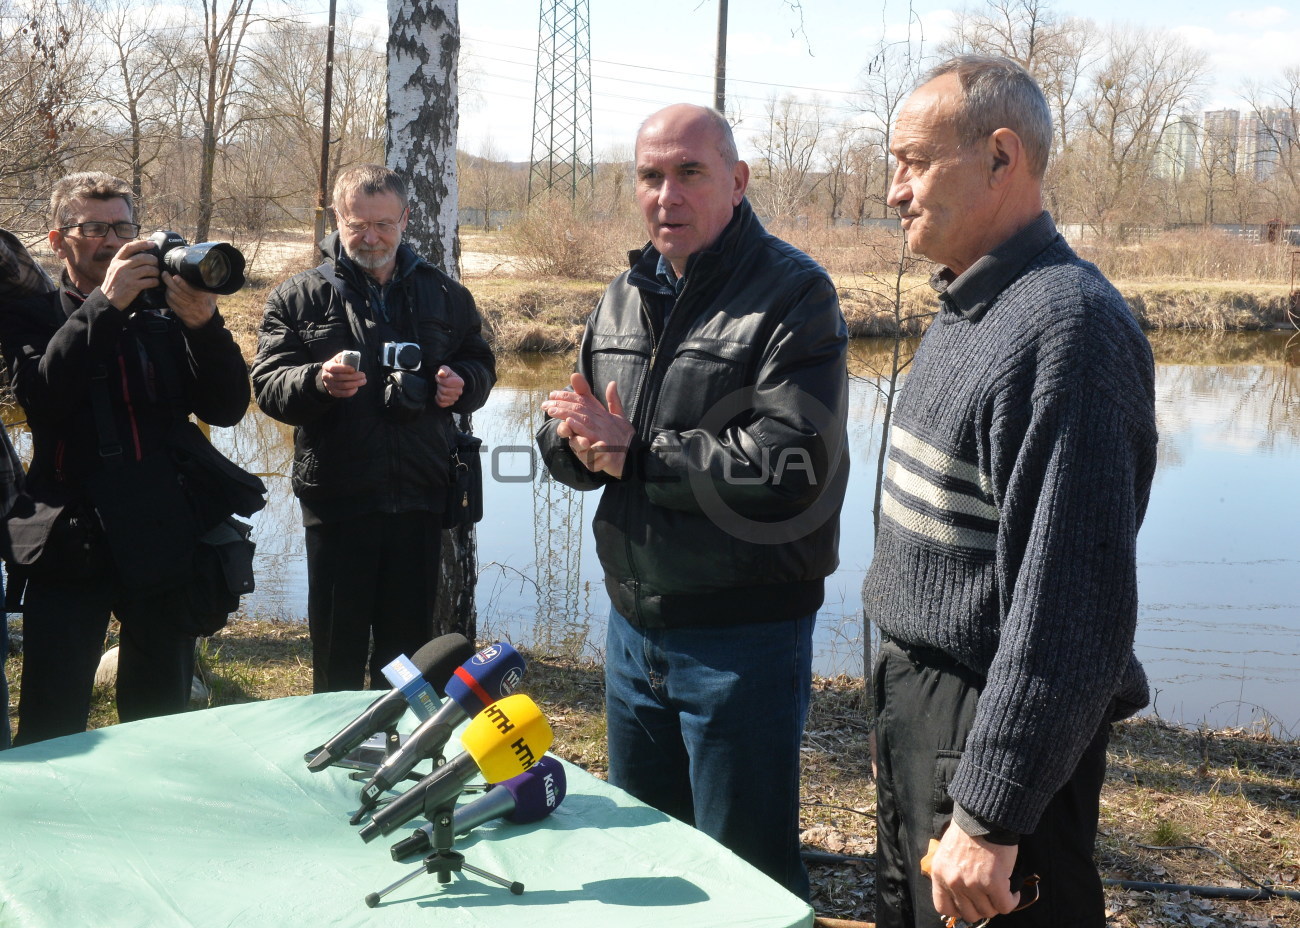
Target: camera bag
(465, 480)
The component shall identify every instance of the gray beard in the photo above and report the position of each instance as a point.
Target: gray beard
(372, 260)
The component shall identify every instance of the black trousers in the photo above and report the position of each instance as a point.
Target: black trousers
(925, 706)
(64, 624)
(371, 575)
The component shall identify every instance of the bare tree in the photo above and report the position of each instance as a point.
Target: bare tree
(1275, 110)
(138, 61)
(209, 76)
(285, 77)
(423, 51)
(788, 147)
(42, 87)
(1147, 79)
(423, 48)
(883, 85)
(489, 184)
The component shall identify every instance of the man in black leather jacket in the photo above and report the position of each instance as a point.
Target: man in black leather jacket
(720, 447)
(104, 382)
(372, 440)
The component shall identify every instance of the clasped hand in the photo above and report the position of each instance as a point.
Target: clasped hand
(598, 434)
(971, 877)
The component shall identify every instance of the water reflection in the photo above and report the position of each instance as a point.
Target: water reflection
(1220, 611)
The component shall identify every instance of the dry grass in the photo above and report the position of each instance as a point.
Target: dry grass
(540, 303)
(1190, 254)
(1233, 795)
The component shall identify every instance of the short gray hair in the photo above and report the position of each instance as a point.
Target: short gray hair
(87, 185)
(726, 138)
(368, 180)
(1000, 94)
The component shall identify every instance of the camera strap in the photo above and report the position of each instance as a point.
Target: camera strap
(350, 301)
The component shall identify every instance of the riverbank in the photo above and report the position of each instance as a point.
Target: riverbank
(526, 315)
(1200, 808)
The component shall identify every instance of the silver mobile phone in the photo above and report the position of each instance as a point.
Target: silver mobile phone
(351, 359)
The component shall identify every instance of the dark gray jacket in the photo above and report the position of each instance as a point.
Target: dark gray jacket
(728, 509)
(350, 456)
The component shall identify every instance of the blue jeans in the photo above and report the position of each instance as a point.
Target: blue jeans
(705, 725)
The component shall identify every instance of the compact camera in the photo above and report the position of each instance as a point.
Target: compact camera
(217, 267)
(400, 356)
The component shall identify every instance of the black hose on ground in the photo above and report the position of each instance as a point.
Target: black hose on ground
(1208, 892)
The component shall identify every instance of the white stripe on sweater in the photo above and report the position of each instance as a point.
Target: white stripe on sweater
(941, 498)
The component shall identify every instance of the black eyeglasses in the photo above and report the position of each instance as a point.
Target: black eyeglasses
(100, 229)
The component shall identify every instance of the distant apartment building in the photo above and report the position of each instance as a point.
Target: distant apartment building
(1226, 142)
(1176, 154)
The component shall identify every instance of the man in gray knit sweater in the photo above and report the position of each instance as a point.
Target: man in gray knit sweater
(1004, 575)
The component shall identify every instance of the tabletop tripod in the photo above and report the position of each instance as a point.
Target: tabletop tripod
(444, 861)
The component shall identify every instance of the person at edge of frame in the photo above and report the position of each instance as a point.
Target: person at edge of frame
(1004, 575)
(84, 358)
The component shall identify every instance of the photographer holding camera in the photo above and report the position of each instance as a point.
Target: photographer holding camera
(367, 356)
(104, 383)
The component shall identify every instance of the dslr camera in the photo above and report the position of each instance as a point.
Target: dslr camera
(217, 267)
(400, 356)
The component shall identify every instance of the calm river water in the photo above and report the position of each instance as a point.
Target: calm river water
(1219, 628)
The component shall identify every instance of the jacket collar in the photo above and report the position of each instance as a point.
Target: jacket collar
(331, 246)
(644, 262)
(969, 295)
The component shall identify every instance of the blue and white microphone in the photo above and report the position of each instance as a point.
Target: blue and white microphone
(435, 663)
(488, 676)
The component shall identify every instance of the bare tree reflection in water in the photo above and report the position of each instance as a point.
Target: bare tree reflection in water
(562, 624)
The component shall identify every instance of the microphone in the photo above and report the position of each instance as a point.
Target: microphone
(522, 799)
(503, 740)
(489, 675)
(435, 661)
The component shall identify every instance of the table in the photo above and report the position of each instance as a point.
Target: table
(211, 818)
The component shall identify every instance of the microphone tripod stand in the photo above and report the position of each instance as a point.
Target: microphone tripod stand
(443, 861)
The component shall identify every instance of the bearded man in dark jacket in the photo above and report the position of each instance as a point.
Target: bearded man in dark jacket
(720, 448)
(105, 378)
(372, 437)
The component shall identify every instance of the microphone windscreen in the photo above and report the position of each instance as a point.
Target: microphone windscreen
(489, 675)
(507, 737)
(438, 659)
(537, 791)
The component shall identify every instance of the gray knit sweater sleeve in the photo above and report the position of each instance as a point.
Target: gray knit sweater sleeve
(1021, 460)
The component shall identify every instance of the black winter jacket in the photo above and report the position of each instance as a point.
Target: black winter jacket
(57, 342)
(350, 457)
(728, 509)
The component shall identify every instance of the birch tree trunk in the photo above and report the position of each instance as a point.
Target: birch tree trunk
(423, 46)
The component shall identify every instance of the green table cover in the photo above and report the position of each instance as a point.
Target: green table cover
(211, 818)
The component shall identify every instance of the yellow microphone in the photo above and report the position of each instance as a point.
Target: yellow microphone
(502, 741)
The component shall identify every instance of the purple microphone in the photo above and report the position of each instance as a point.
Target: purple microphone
(489, 675)
(527, 797)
